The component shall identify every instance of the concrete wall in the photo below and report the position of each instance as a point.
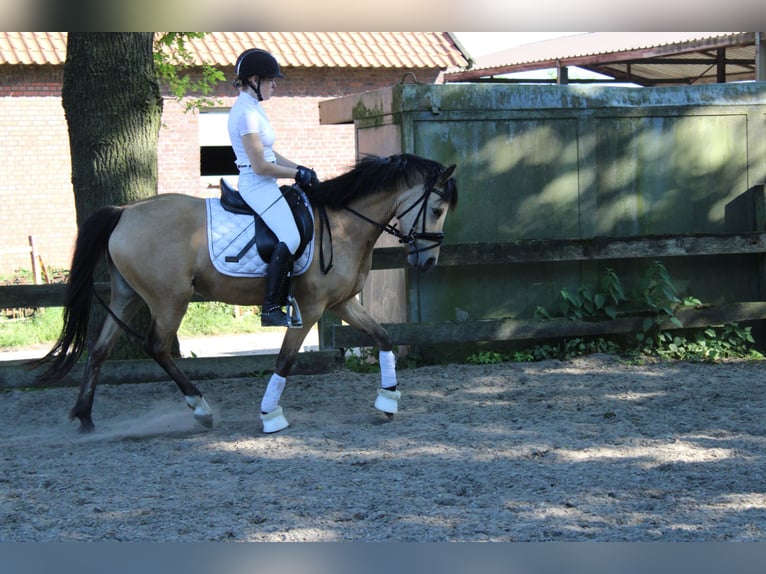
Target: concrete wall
(542, 162)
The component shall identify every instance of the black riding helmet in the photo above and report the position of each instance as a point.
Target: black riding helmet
(256, 62)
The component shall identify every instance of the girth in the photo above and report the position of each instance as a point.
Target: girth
(264, 238)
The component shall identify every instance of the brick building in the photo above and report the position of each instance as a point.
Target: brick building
(36, 189)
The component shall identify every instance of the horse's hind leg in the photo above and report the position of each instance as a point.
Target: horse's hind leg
(159, 345)
(124, 303)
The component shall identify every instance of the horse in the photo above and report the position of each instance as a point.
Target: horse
(157, 255)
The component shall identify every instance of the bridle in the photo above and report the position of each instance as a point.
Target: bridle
(408, 238)
(412, 235)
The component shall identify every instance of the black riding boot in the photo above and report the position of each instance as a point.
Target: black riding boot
(276, 287)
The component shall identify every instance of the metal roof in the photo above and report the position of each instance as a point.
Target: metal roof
(293, 49)
(644, 58)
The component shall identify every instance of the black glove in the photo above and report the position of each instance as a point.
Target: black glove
(306, 177)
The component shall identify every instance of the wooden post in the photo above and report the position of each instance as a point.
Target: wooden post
(35, 263)
(760, 56)
(721, 66)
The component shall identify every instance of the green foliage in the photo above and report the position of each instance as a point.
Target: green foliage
(575, 347)
(658, 300)
(173, 61)
(486, 358)
(660, 297)
(362, 360)
(216, 318)
(587, 304)
(365, 360)
(204, 318)
(40, 327)
(708, 345)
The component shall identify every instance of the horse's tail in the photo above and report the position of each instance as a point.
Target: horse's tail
(90, 249)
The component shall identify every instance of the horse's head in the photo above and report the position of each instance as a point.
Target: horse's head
(424, 212)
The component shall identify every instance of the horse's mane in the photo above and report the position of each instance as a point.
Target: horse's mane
(373, 174)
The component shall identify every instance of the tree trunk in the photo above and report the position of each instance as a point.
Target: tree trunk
(113, 107)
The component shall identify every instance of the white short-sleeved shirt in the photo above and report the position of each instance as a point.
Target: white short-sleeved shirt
(247, 117)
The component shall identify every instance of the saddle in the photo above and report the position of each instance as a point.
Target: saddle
(264, 239)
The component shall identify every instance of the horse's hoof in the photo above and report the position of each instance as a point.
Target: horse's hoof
(202, 413)
(388, 402)
(205, 420)
(389, 416)
(86, 427)
(274, 421)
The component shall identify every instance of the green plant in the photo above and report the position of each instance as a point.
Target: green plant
(365, 360)
(522, 356)
(486, 358)
(658, 300)
(362, 360)
(708, 345)
(660, 297)
(587, 304)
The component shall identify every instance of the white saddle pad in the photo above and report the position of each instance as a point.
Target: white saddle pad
(228, 233)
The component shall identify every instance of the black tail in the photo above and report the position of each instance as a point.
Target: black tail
(89, 250)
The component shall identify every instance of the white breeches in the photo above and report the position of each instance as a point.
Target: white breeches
(263, 195)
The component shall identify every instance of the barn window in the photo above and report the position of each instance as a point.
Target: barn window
(216, 155)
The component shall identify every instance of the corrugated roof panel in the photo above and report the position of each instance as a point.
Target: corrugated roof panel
(648, 58)
(589, 44)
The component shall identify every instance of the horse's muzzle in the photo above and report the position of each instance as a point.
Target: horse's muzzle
(430, 262)
(422, 264)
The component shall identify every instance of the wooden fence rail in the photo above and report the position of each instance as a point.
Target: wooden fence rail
(524, 251)
(344, 337)
(596, 248)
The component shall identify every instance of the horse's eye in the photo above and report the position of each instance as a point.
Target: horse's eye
(437, 212)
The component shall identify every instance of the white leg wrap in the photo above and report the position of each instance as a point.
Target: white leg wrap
(274, 421)
(201, 409)
(387, 369)
(388, 401)
(273, 393)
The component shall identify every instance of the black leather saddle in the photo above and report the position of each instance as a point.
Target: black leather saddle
(264, 238)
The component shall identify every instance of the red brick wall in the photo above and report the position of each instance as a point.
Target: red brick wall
(36, 189)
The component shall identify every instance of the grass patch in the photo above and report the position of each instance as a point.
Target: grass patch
(42, 326)
(214, 318)
(202, 319)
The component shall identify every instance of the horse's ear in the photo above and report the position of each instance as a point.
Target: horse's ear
(445, 175)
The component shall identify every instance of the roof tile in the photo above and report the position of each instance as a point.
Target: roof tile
(293, 49)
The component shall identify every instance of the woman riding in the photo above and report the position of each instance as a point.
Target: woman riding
(252, 139)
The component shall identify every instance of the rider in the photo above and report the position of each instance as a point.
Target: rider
(252, 139)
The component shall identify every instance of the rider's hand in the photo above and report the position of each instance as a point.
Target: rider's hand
(306, 177)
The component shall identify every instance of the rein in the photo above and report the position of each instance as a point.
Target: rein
(124, 326)
(407, 239)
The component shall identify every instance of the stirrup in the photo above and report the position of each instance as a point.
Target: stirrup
(294, 319)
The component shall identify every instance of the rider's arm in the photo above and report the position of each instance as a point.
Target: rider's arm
(254, 149)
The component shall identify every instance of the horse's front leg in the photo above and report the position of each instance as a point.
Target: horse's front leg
(351, 311)
(272, 416)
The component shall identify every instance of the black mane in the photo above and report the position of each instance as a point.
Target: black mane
(373, 174)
